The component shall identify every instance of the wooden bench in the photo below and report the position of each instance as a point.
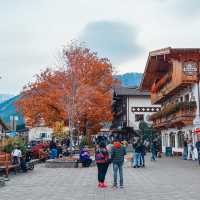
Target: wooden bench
(6, 164)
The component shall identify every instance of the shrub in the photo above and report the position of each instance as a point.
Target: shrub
(10, 145)
(84, 142)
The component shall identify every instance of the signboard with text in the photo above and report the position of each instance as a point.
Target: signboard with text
(190, 68)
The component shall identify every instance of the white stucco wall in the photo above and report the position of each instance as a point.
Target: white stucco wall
(187, 130)
(137, 101)
(35, 133)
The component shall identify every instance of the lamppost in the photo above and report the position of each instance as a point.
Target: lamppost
(78, 131)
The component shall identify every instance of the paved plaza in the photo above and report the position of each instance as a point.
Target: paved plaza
(168, 178)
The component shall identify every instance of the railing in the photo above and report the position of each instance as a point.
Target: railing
(169, 83)
(183, 112)
(174, 108)
(157, 87)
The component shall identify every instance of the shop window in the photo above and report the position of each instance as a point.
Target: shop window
(139, 117)
(181, 99)
(43, 135)
(180, 139)
(172, 140)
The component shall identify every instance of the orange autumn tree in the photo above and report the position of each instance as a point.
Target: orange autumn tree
(80, 90)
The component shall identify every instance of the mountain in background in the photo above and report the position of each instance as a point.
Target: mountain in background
(130, 79)
(7, 102)
(5, 97)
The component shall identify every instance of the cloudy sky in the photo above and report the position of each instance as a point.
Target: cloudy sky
(33, 31)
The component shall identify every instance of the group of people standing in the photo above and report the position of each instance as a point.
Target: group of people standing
(59, 148)
(140, 148)
(104, 157)
(191, 151)
(139, 154)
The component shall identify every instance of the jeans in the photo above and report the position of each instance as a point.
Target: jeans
(136, 159)
(153, 156)
(23, 165)
(185, 153)
(102, 170)
(16, 160)
(86, 162)
(142, 160)
(116, 167)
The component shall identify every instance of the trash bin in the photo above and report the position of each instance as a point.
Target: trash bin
(168, 151)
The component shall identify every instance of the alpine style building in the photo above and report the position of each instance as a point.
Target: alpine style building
(172, 77)
(130, 106)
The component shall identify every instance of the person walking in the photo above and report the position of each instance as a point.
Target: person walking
(137, 155)
(142, 155)
(102, 161)
(190, 150)
(154, 151)
(185, 150)
(198, 150)
(117, 156)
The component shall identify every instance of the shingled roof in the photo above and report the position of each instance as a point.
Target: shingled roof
(128, 91)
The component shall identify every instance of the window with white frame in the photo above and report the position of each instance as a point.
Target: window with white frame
(139, 117)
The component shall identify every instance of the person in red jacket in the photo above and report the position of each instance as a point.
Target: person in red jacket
(117, 156)
(102, 161)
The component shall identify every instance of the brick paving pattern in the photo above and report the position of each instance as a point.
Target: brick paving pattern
(168, 178)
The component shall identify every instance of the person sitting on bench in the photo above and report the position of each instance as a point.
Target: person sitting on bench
(85, 157)
(16, 155)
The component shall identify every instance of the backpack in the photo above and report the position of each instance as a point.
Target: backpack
(100, 157)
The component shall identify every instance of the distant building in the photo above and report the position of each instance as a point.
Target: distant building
(17, 123)
(172, 77)
(3, 129)
(130, 107)
(13, 119)
(40, 133)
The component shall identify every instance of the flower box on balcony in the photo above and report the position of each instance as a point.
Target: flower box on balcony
(174, 108)
(160, 83)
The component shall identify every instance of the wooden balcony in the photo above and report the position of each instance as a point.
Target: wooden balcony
(178, 119)
(171, 83)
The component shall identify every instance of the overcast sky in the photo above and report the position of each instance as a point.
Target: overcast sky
(33, 31)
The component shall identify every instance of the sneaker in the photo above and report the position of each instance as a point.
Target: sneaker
(104, 185)
(121, 186)
(99, 185)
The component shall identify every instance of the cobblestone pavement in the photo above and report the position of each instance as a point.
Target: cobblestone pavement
(167, 178)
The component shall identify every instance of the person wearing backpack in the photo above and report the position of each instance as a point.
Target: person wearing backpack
(102, 161)
(117, 156)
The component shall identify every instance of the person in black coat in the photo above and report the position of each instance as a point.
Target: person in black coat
(142, 154)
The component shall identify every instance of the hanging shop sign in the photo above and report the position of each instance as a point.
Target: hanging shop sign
(190, 68)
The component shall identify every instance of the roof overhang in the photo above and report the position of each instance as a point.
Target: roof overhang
(4, 125)
(158, 63)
